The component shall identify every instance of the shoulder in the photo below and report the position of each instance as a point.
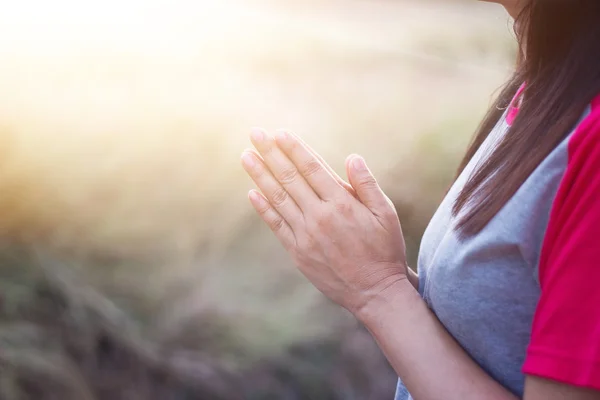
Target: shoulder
(582, 174)
(587, 132)
(577, 201)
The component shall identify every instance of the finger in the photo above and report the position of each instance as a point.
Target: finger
(283, 169)
(273, 191)
(311, 168)
(366, 186)
(348, 173)
(338, 178)
(276, 223)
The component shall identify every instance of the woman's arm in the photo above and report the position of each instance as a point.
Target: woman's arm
(430, 362)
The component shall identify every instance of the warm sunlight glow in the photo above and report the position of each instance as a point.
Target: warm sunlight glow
(63, 23)
(124, 119)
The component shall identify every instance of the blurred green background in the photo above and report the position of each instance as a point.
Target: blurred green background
(131, 264)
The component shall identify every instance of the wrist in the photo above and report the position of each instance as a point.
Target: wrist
(398, 292)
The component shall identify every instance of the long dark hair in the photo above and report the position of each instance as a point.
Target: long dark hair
(559, 61)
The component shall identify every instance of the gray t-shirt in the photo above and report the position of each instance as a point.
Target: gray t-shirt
(484, 289)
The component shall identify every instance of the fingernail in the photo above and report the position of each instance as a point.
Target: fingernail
(359, 164)
(248, 160)
(257, 134)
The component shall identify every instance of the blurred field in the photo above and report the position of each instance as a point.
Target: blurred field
(122, 123)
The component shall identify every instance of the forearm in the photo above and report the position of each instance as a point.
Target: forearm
(429, 361)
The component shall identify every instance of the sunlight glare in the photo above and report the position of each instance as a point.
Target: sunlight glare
(56, 25)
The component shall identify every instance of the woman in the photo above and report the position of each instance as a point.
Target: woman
(507, 301)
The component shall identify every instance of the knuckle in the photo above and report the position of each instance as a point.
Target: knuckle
(343, 208)
(324, 219)
(280, 196)
(277, 224)
(288, 176)
(311, 167)
(368, 183)
(264, 209)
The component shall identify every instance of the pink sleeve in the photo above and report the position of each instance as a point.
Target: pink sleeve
(565, 342)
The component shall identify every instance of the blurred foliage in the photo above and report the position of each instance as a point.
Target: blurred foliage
(61, 339)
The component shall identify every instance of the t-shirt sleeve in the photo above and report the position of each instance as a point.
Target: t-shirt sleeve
(565, 341)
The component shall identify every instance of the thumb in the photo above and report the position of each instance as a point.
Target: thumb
(366, 186)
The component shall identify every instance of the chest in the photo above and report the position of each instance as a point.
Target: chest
(484, 288)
